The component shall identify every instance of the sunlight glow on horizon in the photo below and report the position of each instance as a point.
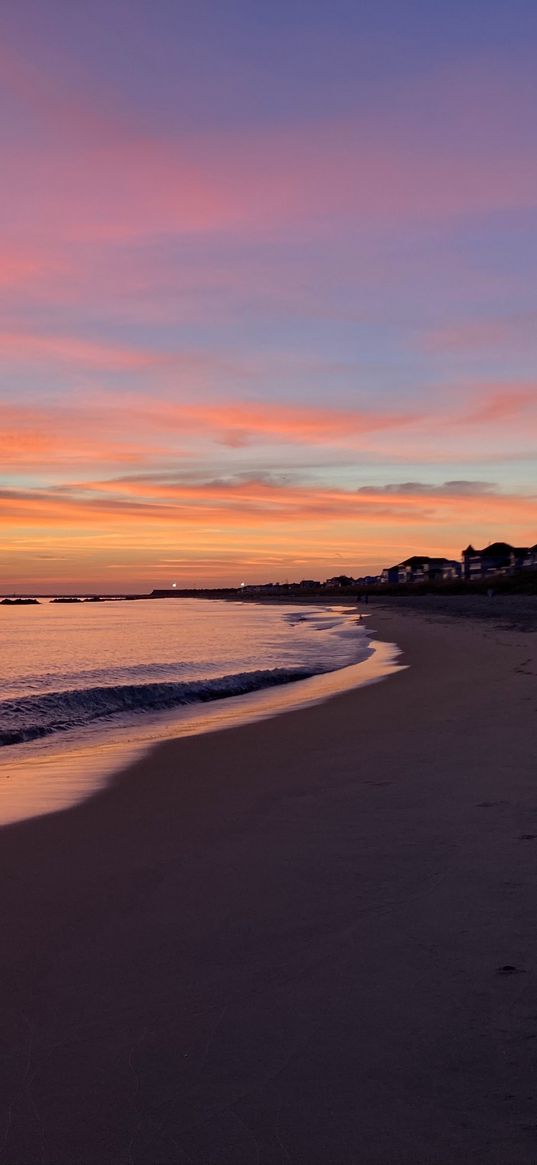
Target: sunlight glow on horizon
(267, 289)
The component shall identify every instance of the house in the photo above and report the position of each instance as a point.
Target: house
(390, 575)
(339, 580)
(498, 558)
(421, 568)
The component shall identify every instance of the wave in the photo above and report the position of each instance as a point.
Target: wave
(32, 717)
(104, 676)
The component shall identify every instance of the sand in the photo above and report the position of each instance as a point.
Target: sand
(308, 940)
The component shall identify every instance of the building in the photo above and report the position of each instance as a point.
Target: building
(421, 568)
(498, 558)
(367, 580)
(390, 575)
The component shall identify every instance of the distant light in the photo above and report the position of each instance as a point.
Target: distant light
(174, 584)
(243, 584)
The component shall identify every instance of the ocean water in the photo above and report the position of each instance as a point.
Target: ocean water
(85, 685)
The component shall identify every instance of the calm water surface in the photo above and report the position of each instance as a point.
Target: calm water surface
(85, 686)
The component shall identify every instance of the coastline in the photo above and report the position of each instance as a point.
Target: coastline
(287, 941)
(56, 771)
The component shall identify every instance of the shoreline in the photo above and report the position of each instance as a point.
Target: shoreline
(60, 770)
(291, 941)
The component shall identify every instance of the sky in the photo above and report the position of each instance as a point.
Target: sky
(268, 284)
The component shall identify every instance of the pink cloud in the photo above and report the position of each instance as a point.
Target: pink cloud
(503, 403)
(136, 189)
(482, 335)
(92, 170)
(54, 104)
(29, 347)
(19, 268)
(94, 428)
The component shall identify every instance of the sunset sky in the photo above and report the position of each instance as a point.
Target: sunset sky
(267, 287)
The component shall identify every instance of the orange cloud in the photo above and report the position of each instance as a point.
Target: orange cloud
(250, 502)
(43, 439)
(126, 535)
(242, 423)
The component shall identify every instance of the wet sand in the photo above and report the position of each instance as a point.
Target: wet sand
(307, 940)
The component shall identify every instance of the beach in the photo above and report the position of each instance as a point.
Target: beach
(309, 939)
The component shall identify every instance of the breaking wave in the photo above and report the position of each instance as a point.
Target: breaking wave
(31, 717)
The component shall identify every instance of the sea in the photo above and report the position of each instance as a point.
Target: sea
(86, 686)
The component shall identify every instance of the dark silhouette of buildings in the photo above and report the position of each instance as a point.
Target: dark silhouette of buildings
(498, 558)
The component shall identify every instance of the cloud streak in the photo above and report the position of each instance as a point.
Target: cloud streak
(251, 501)
(242, 525)
(153, 433)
